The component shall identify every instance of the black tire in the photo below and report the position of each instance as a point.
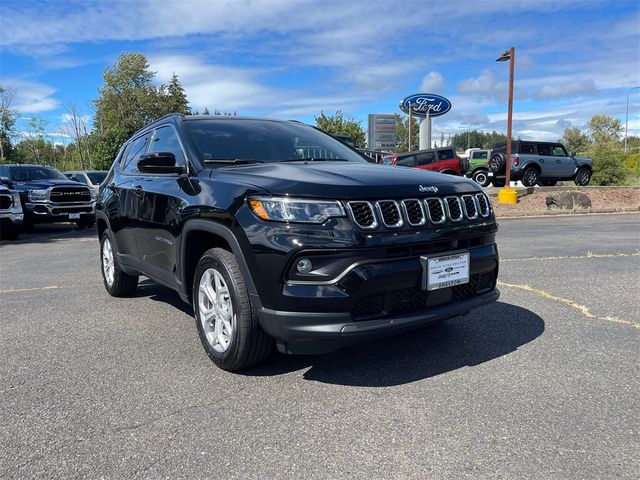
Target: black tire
(10, 232)
(85, 223)
(498, 182)
(530, 176)
(27, 224)
(481, 177)
(247, 344)
(122, 284)
(497, 163)
(547, 182)
(583, 177)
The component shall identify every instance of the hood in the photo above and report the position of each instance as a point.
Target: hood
(344, 180)
(44, 184)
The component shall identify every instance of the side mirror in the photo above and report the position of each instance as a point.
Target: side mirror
(5, 181)
(160, 162)
(573, 154)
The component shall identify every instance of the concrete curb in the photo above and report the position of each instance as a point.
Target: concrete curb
(566, 213)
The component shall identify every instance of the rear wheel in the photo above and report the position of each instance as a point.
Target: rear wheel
(530, 177)
(498, 182)
(227, 324)
(583, 177)
(116, 282)
(481, 177)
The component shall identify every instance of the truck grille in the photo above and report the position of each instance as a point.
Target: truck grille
(5, 202)
(70, 195)
(394, 214)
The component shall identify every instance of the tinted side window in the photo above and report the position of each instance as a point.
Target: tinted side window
(425, 158)
(479, 155)
(446, 154)
(559, 151)
(79, 178)
(527, 149)
(544, 149)
(138, 147)
(408, 161)
(165, 139)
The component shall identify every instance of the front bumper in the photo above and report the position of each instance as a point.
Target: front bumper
(374, 298)
(43, 212)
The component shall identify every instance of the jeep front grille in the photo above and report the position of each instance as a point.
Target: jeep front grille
(394, 214)
(470, 209)
(436, 210)
(483, 205)
(70, 195)
(414, 211)
(390, 213)
(363, 215)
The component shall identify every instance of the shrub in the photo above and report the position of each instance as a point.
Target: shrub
(608, 167)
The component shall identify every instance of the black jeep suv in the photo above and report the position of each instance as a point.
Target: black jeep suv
(273, 243)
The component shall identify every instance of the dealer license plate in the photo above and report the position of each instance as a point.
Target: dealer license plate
(445, 271)
(74, 216)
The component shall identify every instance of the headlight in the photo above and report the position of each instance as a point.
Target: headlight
(38, 195)
(297, 210)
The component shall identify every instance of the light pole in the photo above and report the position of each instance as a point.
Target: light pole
(507, 195)
(626, 123)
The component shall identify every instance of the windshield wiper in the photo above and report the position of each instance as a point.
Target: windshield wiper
(232, 161)
(315, 159)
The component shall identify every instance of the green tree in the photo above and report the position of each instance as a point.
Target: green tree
(338, 124)
(128, 101)
(8, 118)
(402, 133)
(477, 139)
(605, 129)
(575, 140)
(174, 98)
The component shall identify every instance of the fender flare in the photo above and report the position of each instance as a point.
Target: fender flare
(223, 232)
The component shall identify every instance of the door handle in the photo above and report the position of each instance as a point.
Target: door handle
(138, 190)
(557, 161)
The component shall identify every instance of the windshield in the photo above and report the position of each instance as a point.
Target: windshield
(27, 174)
(265, 141)
(97, 177)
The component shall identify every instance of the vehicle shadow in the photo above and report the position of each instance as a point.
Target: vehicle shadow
(160, 293)
(52, 232)
(487, 333)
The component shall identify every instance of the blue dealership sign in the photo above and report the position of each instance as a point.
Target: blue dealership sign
(423, 103)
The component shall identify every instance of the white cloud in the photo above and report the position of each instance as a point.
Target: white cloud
(433, 82)
(485, 85)
(31, 97)
(579, 87)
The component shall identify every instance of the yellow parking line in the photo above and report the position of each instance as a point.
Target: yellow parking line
(581, 308)
(48, 287)
(570, 257)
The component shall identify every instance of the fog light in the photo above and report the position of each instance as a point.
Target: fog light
(304, 265)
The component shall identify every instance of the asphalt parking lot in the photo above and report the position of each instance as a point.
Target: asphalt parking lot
(544, 384)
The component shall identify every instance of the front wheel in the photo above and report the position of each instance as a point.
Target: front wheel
(481, 177)
(583, 177)
(116, 282)
(530, 177)
(10, 232)
(227, 324)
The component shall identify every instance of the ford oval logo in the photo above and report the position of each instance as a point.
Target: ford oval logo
(423, 103)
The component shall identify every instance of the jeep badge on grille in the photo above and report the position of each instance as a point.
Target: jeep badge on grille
(425, 189)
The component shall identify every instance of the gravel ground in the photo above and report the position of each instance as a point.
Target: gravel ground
(609, 199)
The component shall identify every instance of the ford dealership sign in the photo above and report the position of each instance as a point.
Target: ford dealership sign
(423, 103)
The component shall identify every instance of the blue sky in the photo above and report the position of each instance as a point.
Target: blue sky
(294, 58)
